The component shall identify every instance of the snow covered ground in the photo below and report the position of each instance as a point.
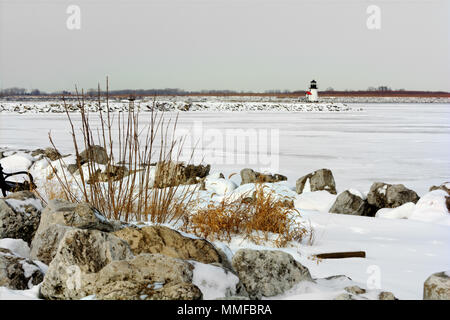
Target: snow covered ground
(390, 143)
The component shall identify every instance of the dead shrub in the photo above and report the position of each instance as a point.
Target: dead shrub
(258, 217)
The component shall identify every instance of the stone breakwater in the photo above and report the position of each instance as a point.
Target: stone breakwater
(171, 106)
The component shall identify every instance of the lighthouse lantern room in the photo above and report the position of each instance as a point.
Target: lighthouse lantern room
(312, 95)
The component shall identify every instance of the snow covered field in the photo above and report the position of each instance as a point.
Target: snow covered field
(401, 143)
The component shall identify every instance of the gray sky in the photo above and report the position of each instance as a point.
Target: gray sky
(225, 44)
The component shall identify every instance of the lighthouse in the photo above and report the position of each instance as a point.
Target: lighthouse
(312, 95)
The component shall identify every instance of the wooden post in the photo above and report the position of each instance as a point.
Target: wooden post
(341, 255)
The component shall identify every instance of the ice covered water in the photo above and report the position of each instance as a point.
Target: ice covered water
(393, 143)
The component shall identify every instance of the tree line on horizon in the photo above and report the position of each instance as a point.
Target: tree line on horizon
(16, 91)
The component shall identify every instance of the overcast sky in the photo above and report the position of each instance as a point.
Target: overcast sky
(225, 44)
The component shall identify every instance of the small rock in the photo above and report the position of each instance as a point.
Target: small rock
(95, 154)
(318, 180)
(386, 295)
(250, 176)
(171, 174)
(445, 186)
(383, 195)
(20, 213)
(349, 203)
(355, 290)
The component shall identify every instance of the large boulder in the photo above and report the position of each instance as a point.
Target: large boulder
(350, 202)
(161, 239)
(437, 287)
(80, 253)
(268, 273)
(18, 273)
(250, 176)
(61, 216)
(318, 180)
(91, 262)
(95, 154)
(146, 277)
(20, 213)
(383, 195)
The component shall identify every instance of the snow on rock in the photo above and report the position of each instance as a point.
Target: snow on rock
(16, 162)
(432, 208)
(219, 186)
(403, 212)
(278, 190)
(317, 200)
(357, 193)
(16, 246)
(213, 281)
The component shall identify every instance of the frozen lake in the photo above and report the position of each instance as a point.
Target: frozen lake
(393, 143)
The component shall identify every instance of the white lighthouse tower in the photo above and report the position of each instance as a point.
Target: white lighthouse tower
(312, 95)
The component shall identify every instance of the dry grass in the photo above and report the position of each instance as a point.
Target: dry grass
(131, 197)
(260, 217)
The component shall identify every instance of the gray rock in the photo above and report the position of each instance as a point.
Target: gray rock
(250, 176)
(437, 287)
(45, 244)
(80, 253)
(268, 273)
(318, 180)
(386, 295)
(161, 239)
(91, 262)
(344, 296)
(383, 195)
(146, 277)
(72, 168)
(18, 273)
(170, 174)
(59, 217)
(51, 153)
(95, 154)
(20, 213)
(355, 290)
(349, 203)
